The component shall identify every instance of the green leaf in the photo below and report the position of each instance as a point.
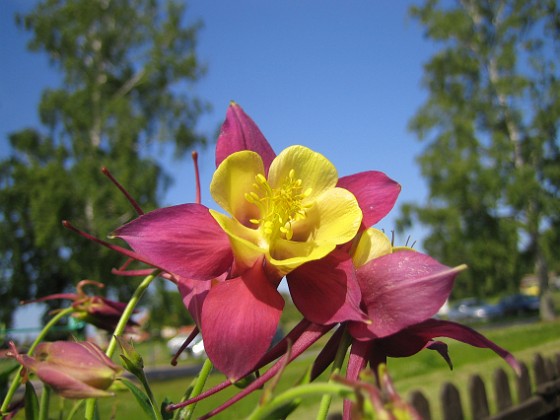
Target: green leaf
(141, 397)
(283, 411)
(166, 415)
(31, 402)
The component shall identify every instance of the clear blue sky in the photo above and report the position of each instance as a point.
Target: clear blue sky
(341, 77)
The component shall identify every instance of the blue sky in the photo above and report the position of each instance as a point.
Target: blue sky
(343, 78)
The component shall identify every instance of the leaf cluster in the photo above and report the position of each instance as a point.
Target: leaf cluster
(490, 124)
(127, 68)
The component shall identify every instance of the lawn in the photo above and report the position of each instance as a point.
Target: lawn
(426, 371)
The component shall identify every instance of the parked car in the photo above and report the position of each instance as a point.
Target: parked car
(519, 304)
(195, 348)
(473, 309)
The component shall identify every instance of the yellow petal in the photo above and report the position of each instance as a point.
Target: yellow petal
(315, 171)
(336, 216)
(372, 244)
(402, 248)
(288, 255)
(244, 241)
(232, 180)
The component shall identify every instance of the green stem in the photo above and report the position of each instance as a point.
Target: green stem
(337, 366)
(17, 377)
(153, 402)
(127, 313)
(44, 403)
(74, 409)
(322, 388)
(198, 386)
(129, 310)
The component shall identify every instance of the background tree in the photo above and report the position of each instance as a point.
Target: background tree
(127, 67)
(492, 157)
(167, 310)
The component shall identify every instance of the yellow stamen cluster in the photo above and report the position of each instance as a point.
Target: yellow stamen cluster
(279, 207)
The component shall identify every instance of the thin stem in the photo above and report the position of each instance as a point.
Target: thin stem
(324, 388)
(196, 176)
(127, 313)
(74, 409)
(44, 403)
(153, 401)
(198, 386)
(129, 310)
(17, 377)
(337, 366)
(131, 200)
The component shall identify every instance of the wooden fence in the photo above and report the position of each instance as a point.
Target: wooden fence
(541, 401)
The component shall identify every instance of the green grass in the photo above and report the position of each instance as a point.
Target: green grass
(426, 371)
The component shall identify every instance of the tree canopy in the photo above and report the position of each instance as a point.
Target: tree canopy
(490, 125)
(128, 68)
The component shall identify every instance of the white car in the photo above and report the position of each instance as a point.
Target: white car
(195, 348)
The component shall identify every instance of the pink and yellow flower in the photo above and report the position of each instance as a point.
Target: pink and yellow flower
(283, 212)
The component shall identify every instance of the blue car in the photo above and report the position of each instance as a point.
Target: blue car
(518, 304)
(474, 310)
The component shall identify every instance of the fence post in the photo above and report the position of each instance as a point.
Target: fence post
(541, 375)
(550, 368)
(420, 404)
(523, 384)
(451, 402)
(501, 388)
(478, 398)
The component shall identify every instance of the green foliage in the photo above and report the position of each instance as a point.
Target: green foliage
(140, 397)
(31, 402)
(490, 125)
(127, 66)
(167, 309)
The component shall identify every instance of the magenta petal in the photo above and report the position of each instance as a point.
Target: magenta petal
(376, 194)
(183, 240)
(328, 353)
(442, 349)
(413, 339)
(401, 289)
(327, 291)
(193, 293)
(239, 319)
(356, 363)
(432, 328)
(239, 132)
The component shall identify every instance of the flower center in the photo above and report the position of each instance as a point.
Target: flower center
(279, 207)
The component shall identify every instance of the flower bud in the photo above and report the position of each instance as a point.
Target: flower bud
(95, 310)
(72, 369)
(132, 360)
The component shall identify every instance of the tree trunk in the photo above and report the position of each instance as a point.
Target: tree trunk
(547, 312)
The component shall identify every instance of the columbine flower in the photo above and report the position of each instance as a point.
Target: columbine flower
(72, 369)
(401, 291)
(95, 310)
(284, 211)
